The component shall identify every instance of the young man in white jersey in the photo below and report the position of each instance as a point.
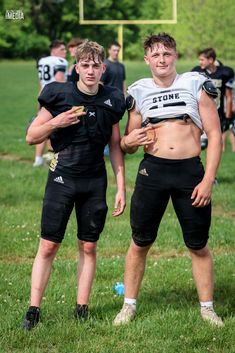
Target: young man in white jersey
(167, 114)
(51, 68)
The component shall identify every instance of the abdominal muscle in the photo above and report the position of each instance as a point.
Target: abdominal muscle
(174, 139)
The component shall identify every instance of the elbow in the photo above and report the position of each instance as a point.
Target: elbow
(29, 140)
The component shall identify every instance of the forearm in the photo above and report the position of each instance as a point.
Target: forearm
(228, 111)
(117, 161)
(38, 134)
(213, 156)
(126, 148)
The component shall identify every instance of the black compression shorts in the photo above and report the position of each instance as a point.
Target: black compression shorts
(158, 180)
(88, 194)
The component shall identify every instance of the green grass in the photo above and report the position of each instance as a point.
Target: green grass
(168, 316)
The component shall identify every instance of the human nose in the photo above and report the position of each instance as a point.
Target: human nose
(90, 69)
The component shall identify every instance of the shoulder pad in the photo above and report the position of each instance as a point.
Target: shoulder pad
(210, 89)
(61, 68)
(130, 102)
(228, 72)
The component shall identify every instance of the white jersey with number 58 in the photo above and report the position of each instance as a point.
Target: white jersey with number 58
(49, 66)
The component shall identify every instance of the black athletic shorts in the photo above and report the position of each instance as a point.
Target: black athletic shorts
(87, 194)
(158, 180)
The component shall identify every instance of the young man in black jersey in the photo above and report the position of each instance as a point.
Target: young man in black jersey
(80, 119)
(222, 77)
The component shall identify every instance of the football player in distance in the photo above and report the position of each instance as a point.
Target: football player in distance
(50, 68)
(222, 77)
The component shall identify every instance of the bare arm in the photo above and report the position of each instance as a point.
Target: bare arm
(60, 76)
(135, 135)
(210, 120)
(117, 161)
(44, 124)
(229, 102)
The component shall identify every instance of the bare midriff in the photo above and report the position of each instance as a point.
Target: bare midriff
(174, 139)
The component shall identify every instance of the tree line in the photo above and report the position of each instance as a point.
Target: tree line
(201, 23)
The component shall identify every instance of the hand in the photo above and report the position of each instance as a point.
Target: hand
(68, 118)
(119, 204)
(139, 137)
(201, 195)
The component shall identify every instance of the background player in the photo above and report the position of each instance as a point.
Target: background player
(222, 78)
(50, 68)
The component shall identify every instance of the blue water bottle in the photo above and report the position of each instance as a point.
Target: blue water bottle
(119, 288)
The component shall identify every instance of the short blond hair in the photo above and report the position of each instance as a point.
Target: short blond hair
(90, 50)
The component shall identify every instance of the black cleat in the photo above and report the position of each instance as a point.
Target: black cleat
(81, 312)
(31, 318)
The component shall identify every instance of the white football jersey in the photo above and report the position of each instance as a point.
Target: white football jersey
(181, 97)
(49, 66)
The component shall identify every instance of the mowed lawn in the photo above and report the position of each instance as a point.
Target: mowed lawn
(168, 312)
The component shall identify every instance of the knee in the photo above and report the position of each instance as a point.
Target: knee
(204, 252)
(48, 248)
(87, 248)
(143, 238)
(136, 250)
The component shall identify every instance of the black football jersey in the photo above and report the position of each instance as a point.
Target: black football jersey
(80, 147)
(222, 78)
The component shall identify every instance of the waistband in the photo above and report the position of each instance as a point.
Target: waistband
(159, 160)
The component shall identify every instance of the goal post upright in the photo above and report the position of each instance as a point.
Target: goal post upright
(120, 23)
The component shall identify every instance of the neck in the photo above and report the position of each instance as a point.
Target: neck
(113, 60)
(91, 91)
(212, 68)
(165, 81)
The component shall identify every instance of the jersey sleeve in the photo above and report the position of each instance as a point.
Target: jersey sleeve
(119, 107)
(47, 98)
(228, 74)
(133, 91)
(198, 79)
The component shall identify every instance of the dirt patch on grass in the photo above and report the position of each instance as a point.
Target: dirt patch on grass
(13, 157)
(220, 212)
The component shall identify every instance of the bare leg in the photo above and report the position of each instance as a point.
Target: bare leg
(39, 149)
(134, 269)
(134, 272)
(86, 270)
(224, 135)
(232, 140)
(42, 269)
(202, 267)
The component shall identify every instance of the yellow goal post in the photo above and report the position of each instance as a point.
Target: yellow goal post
(120, 23)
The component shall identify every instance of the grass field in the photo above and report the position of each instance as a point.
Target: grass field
(168, 313)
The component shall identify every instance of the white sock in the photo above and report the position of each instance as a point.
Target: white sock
(208, 304)
(38, 159)
(130, 301)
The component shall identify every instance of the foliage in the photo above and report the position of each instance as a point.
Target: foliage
(201, 23)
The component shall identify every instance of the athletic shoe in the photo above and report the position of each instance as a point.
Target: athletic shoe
(81, 312)
(127, 314)
(208, 314)
(31, 318)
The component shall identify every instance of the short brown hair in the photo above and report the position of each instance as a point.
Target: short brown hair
(90, 50)
(208, 53)
(74, 42)
(56, 44)
(162, 38)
